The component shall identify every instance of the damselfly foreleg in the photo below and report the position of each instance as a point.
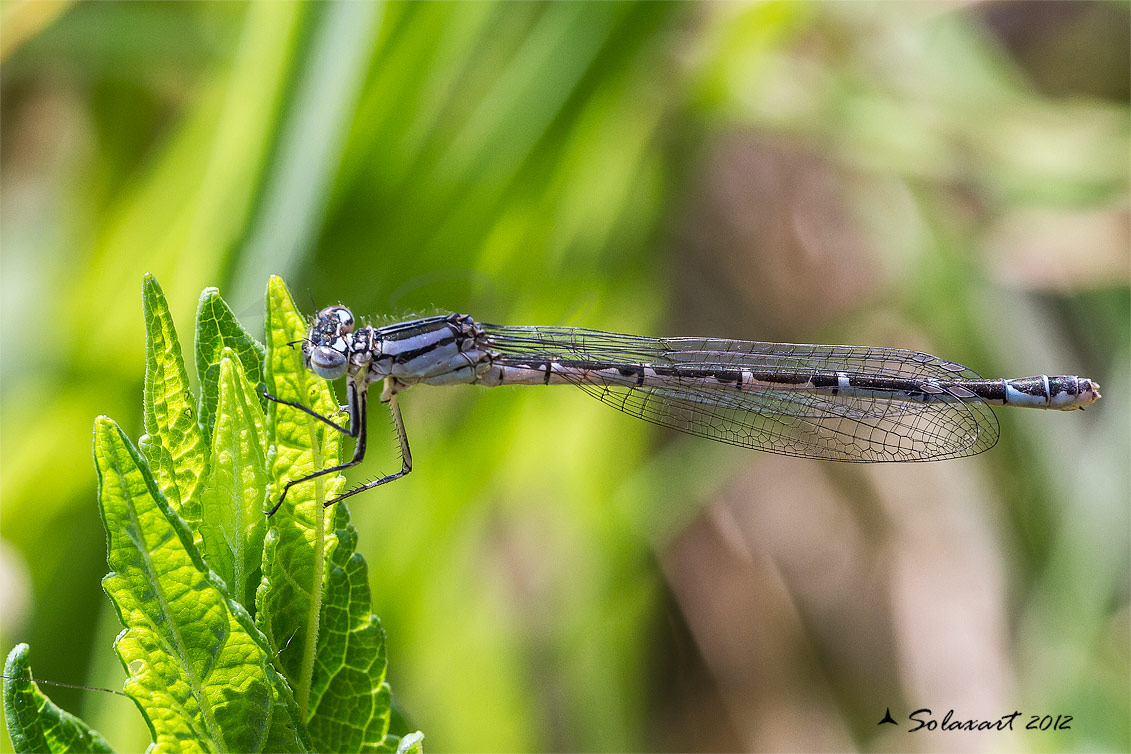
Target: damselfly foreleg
(358, 412)
(357, 429)
(352, 408)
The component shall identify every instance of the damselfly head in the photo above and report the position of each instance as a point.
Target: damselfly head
(327, 349)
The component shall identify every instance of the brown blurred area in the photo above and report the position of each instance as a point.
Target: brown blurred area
(811, 596)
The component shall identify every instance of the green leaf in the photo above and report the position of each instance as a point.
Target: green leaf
(235, 486)
(203, 673)
(216, 329)
(198, 669)
(35, 724)
(289, 600)
(175, 445)
(350, 701)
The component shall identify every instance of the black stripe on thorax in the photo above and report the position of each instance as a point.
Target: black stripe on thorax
(411, 328)
(407, 356)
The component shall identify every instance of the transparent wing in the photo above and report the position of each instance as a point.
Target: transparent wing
(810, 424)
(598, 346)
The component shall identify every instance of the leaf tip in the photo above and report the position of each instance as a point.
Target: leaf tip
(276, 288)
(149, 283)
(103, 424)
(16, 668)
(152, 296)
(17, 657)
(108, 438)
(228, 362)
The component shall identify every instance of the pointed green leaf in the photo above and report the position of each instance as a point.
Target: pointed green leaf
(350, 701)
(288, 603)
(35, 724)
(216, 329)
(234, 492)
(198, 669)
(169, 409)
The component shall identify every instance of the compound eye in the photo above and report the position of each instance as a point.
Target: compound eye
(340, 315)
(327, 363)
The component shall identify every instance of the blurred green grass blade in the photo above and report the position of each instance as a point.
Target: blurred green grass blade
(197, 189)
(216, 329)
(350, 701)
(422, 44)
(21, 21)
(169, 410)
(531, 91)
(235, 486)
(288, 602)
(35, 724)
(329, 71)
(421, 67)
(198, 669)
(465, 170)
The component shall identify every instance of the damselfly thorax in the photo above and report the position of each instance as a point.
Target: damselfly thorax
(836, 403)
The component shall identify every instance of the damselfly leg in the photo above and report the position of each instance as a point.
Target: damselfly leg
(358, 410)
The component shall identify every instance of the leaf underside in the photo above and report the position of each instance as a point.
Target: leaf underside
(35, 724)
(216, 329)
(174, 443)
(234, 494)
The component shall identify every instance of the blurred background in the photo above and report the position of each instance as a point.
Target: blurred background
(554, 575)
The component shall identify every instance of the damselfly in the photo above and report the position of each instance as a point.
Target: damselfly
(837, 403)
